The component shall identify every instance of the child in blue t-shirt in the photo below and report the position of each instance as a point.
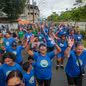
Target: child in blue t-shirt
(17, 50)
(62, 42)
(78, 37)
(8, 40)
(29, 75)
(7, 66)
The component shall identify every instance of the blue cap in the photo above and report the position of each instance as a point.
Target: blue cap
(63, 34)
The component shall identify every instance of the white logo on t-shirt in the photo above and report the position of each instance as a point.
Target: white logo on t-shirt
(52, 42)
(7, 73)
(28, 37)
(61, 45)
(31, 81)
(7, 43)
(79, 37)
(14, 52)
(44, 63)
(81, 63)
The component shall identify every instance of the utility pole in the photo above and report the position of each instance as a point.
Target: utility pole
(33, 10)
(29, 8)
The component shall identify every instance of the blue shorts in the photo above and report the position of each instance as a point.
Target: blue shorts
(60, 55)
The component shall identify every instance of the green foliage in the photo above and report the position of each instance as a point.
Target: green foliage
(76, 14)
(79, 1)
(84, 42)
(13, 8)
(83, 33)
(2, 4)
(65, 16)
(53, 17)
(79, 14)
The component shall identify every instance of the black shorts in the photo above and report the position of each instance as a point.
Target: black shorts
(74, 80)
(44, 82)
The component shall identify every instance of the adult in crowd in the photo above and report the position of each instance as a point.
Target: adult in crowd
(76, 62)
(43, 63)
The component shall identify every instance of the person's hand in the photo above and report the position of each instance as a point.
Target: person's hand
(70, 42)
(32, 39)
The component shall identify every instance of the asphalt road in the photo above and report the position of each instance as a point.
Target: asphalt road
(58, 76)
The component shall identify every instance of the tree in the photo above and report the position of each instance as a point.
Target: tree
(13, 8)
(65, 16)
(79, 1)
(79, 14)
(75, 14)
(53, 17)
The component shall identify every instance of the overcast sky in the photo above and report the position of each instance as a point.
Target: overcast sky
(48, 6)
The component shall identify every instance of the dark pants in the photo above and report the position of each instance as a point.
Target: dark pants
(49, 49)
(74, 80)
(21, 63)
(44, 82)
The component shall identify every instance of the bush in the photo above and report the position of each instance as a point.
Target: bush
(83, 34)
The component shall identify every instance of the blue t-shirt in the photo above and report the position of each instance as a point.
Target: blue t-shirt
(19, 58)
(40, 36)
(8, 42)
(72, 67)
(46, 29)
(29, 79)
(6, 69)
(28, 35)
(2, 77)
(78, 37)
(73, 36)
(17, 52)
(43, 65)
(49, 41)
(63, 45)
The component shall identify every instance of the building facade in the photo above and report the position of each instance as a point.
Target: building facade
(31, 12)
